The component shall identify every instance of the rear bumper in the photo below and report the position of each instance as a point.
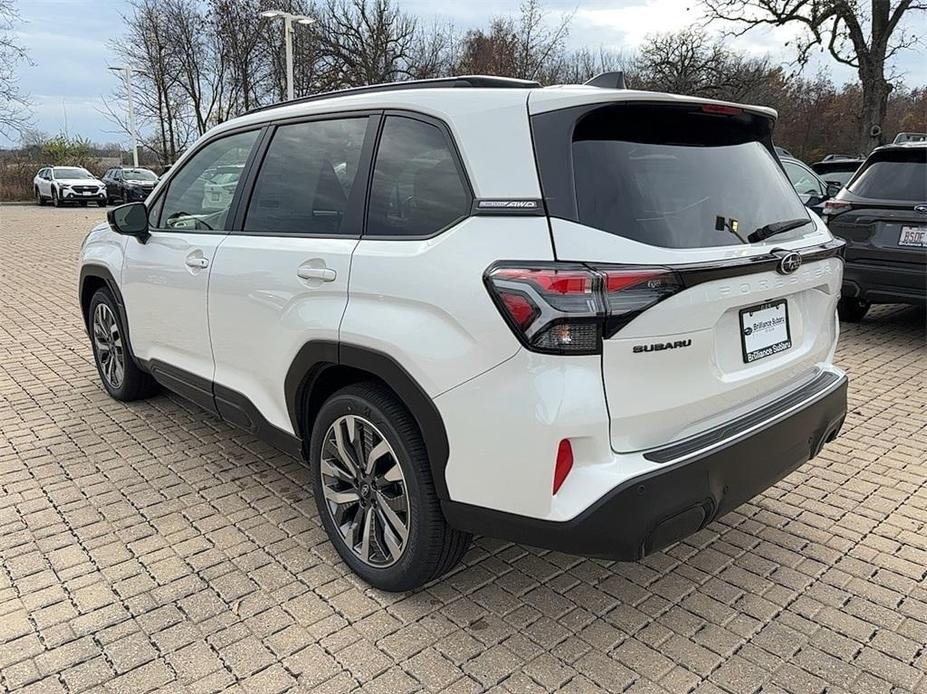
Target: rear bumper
(885, 282)
(654, 510)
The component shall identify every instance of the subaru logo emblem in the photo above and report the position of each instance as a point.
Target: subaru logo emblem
(789, 263)
(921, 208)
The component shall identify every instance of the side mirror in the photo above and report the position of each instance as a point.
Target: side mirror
(131, 220)
(833, 188)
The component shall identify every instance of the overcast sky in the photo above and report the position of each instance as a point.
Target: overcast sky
(67, 41)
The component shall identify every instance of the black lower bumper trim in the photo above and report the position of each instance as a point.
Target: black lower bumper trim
(654, 510)
(886, 283)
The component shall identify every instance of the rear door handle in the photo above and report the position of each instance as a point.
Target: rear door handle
(197, 261)
(326, 274)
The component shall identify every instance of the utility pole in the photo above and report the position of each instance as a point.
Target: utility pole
(288, 19)
(127, 75)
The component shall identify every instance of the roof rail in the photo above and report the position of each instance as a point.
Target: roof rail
(482, 81)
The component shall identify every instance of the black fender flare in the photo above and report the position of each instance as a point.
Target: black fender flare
(102, 272)
(316, 356)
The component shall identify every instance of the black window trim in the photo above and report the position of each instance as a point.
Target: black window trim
(458, 163)
(355, 209)
(152, 203)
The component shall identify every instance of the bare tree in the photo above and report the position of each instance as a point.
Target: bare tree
(14, 113)
(365, 41)
(689, 62)
(526, 46)
(865, 36)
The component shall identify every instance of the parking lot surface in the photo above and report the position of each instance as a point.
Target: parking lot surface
(151, 546)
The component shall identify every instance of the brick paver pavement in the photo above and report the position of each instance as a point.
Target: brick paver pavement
(150, 546)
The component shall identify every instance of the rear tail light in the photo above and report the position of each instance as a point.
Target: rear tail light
(834, 207)
(568, 308)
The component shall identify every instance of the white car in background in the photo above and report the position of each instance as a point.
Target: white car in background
(61, 184)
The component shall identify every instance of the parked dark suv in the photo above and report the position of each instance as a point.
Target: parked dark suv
(124, 184)
(882, 215)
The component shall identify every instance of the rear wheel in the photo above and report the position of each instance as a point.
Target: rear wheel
(120, 375)
(852, 309)
(373, 488)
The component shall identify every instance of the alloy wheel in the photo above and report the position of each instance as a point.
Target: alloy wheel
(365, 490)
(107, 341)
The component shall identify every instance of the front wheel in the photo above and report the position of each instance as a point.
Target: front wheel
(120, 375)
(56, 201)
(101, 203)
(374, 492)
(39, 200)
(852, 309)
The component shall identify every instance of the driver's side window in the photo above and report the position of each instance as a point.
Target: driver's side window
(802, 180)
(200, 194)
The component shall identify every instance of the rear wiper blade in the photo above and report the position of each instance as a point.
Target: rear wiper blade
(767, 230)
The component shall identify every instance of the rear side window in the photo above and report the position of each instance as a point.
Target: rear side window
(893, 175)
(201, 193)
(417, 189)
(671, 176)
(306, 179)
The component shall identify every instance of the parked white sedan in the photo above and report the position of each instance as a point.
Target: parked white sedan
(74, 184)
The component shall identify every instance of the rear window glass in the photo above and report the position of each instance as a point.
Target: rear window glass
(893, 175)
(679, 177)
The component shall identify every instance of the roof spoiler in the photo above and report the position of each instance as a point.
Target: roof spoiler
(608, 80)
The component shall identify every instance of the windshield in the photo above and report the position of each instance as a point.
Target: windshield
(139, 175)
(898, 175)
(679, 179)
(71, 172)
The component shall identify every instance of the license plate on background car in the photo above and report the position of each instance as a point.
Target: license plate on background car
(764, 330)
(913, 236)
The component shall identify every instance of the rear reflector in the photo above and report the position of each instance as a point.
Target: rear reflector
(564, 463)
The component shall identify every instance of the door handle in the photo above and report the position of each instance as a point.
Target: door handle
(197, 262)
(326, 274)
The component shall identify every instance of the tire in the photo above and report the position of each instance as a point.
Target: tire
(123, 380)
(39, 200)
(56, 201)
(851, 309)
(83, 203)
(101, 203)
(431, 547)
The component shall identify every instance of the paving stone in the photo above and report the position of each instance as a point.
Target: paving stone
(148, 545)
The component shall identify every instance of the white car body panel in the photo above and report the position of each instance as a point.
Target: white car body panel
(259, 320)
(165, 299)
(423, 301)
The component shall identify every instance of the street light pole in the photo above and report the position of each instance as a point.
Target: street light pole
(288, 19)
(127, 75)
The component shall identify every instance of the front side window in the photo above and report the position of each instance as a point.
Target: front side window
(803, 181)
(200, 194)
(305, 182)
(417, 188)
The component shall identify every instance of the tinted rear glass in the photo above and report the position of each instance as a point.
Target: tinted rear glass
(679, 177)
(893, 175)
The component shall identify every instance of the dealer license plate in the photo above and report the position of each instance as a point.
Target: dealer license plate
(764, 330)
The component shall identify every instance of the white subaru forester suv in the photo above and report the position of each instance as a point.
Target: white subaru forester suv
(583, 318)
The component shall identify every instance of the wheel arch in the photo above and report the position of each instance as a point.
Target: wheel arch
(322, 367)
(93, 277)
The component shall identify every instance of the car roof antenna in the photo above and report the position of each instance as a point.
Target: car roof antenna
(608, 80)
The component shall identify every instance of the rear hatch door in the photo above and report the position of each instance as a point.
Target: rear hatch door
(681, 185)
